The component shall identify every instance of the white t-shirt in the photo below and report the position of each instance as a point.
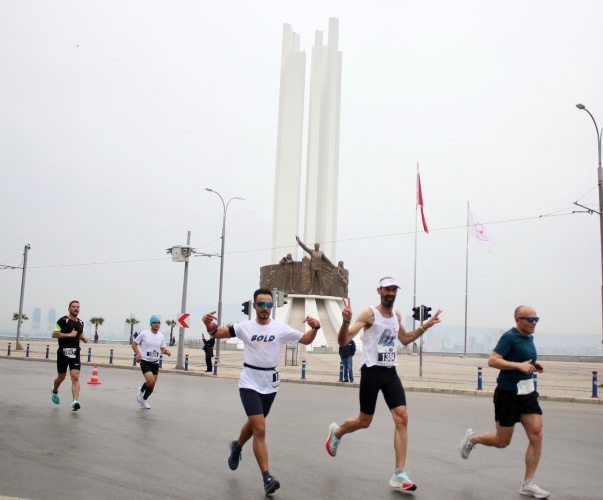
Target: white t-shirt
(263, 349)
(150, 345)
(379, 341)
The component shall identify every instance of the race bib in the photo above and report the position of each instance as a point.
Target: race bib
(276, 379)
(386, 356)
(525, 387)
(70, 352)
(153, 355)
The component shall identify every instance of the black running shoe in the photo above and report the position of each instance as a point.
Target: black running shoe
(271, 484)
(235, 455)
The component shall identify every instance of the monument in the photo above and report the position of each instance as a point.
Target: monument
(315, 286)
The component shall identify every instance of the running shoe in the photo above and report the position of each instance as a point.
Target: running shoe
(466, 444)
(75, 406)
(332, 440)
(531, 489)
(140, 395)
(402, 481)
(145, 405)
(235, 455)
(55, 397)
(271, 484)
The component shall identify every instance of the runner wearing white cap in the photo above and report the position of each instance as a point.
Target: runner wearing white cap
(152, 344)
(382, 325)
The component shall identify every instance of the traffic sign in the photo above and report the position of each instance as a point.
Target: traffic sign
(182, 320)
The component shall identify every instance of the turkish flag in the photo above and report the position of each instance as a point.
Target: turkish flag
(420, 202)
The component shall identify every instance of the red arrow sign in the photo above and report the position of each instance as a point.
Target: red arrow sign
(182, 320)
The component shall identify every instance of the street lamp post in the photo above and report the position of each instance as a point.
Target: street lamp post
(20, 318)
(600, 181)
(225, 206)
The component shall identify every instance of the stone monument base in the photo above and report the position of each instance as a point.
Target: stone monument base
(326, 309)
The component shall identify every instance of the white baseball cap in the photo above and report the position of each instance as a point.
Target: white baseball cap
(387, 281)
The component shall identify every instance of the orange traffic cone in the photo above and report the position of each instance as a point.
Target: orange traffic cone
(94, 379)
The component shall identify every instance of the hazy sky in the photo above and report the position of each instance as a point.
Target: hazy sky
(116, 115)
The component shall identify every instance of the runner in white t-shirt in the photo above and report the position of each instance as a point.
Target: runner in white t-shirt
(263, 338)
(382, 326)
(152, 344)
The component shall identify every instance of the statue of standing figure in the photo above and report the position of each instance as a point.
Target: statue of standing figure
(288, 262)
(344, 278)
(316, 259)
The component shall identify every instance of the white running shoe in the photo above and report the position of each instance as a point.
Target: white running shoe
(402, 481)
(531, 489)
(466, 444)
(145, 405)
(332, 440)
(140, 395)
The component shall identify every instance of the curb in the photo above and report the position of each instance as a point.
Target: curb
(434, 390)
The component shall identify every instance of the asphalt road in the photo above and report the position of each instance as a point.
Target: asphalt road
(113, 449)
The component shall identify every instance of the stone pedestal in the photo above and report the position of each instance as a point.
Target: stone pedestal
(326, 309)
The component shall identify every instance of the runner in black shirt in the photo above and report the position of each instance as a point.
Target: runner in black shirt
(69, 330)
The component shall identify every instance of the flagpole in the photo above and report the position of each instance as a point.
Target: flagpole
(414, 292)
(466, 279)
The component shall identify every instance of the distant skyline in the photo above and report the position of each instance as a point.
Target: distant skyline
(116, 116)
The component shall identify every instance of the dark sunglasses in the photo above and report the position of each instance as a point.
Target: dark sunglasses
(261, 305)
(531, 319)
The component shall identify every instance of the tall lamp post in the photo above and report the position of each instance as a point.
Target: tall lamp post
(20, 319)
(225, 206)
(600, 180)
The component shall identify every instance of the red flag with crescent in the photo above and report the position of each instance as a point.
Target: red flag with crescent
(420, 202)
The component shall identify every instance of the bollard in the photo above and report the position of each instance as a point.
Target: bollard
(535, 377)
(8, 349)
(303, 369)
(47, 351)
(479, 378)
(111, 357)
(341, 371)
(160, 360)
(134, 360)
(89, 354)
(27, 351)
(595, 395)
(186, 363)
(216, 366)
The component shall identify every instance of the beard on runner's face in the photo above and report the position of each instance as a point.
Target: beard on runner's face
(388, 298)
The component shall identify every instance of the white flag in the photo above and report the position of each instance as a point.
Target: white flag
(480, 232)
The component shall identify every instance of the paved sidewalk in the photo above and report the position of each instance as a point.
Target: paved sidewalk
(561, 381)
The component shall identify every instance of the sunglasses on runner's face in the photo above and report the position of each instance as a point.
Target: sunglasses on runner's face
(261, 305)
(531, 319)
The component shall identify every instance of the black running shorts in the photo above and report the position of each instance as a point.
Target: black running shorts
(508, 406)
(380, 378)
(68, 357)
(256, 403)
(149, 366)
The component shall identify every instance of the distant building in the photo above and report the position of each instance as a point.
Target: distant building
(127, 327)
(35, 320)
(490, 342)
(52, 320)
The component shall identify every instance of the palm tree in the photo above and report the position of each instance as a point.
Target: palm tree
(16, 318)
(132, 321)
(96, 321)
(171, 323)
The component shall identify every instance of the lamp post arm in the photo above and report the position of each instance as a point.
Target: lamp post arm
(599, 135)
